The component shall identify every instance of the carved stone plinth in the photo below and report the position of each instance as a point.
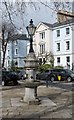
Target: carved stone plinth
(31, 84)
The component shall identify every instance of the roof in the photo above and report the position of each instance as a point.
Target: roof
(59, 23)
(63, 23)
(48, 24)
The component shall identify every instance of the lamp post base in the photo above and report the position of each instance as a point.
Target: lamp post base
(29, 97)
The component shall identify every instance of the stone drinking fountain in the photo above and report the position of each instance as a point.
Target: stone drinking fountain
(31, 64)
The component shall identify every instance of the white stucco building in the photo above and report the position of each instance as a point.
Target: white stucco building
(63, 42)
(57, 38)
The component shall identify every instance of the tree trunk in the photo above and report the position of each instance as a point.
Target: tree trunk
(4, 52)
(3, 59)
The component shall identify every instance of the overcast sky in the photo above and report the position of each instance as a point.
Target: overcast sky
(41, 13)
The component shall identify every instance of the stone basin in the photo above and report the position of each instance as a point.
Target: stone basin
(30, 96)
(30, 84)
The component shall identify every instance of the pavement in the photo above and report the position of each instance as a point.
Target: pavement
(55, 103)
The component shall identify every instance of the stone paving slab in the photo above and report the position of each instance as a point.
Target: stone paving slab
(45, 101)
(52, 98)
(18, 108)
(59, 114)
(16, 102)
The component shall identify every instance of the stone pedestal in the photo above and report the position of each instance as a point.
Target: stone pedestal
(30, 86)
(31, 64)
(29, 95)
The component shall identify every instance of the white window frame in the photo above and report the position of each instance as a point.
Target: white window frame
(16, 51)
(58, 33)
(58, 46)
(42, 35)
(58, 58)
(67, 45)
(42, 48)
(68, 59)
(67, 31)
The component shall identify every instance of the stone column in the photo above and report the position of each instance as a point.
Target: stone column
(31, 63)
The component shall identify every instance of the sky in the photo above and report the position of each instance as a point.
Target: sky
(43, 14)
(39, 13)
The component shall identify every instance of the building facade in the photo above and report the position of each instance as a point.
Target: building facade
(58, 39)
(63, 44)
(16, 52)
(50, 39)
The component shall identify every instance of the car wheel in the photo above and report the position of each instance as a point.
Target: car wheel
(69, 79)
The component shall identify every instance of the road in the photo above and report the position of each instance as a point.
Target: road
(63, 85)
(59, 93)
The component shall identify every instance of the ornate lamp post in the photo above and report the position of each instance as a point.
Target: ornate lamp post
(31, 30)
(31, 63)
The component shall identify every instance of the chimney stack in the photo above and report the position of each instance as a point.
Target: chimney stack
(64, 16)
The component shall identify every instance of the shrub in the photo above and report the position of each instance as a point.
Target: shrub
(58, 66)
(43, 67)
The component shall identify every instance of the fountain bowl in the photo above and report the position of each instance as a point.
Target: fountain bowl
(30, 84)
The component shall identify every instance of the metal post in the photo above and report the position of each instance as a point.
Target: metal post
(31, 45)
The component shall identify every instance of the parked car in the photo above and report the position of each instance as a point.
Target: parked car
(9, 77)
(53, 74)
(44, 75)
(22, 75)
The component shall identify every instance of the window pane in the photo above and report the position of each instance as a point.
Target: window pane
(16, 51)
(58, 46)
(67, 31)
(58, 33)
(68, 59)
(44, 61)
(58, 59)
(42, 48)
(42, 35)
(67, 45)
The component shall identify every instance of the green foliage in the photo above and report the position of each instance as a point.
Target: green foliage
(58, 66)
(43, 67)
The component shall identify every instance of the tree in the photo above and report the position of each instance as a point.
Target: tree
(50, 58)
(49, 62)
(12, 10)
(7, 34)
(18, 8)
(9, 27)
(61, 5)
(63, 8)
